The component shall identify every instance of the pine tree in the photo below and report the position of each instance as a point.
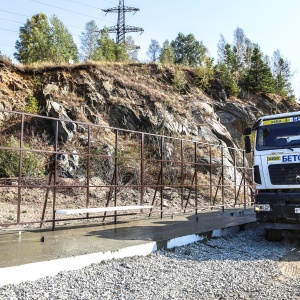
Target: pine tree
(121, 53)
(188, 51)
(167, 53)
(226, 78)
(230, 58)
(282, 74)
(259, 76)
(205, 73)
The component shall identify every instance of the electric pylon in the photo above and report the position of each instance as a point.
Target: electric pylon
(121, 29)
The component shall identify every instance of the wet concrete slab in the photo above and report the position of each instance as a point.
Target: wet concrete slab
(19, 247)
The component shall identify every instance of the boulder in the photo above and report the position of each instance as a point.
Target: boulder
(235, 118)
(96, 90)
(93, 118)
(217, 90)
(68, 164)
(206, 135)
(121, 116)
(64, 128)
(221, 133)
(177, 124)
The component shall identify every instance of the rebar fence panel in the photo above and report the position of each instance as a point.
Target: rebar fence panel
(49, 164)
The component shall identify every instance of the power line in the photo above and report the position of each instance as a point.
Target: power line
(14, 13)
(30, 17)
(18, 14)
(88, 4)
(109, 1)
(8, 30)
(11, 20)
(69, 10)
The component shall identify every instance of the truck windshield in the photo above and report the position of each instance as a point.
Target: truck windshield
(278, 136)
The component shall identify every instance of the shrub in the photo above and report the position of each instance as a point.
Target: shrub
(204, 74)
(179, 81)
(102, 164)
(32, 164)
(32, 105)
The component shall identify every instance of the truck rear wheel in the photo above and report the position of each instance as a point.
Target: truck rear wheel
(274, 235)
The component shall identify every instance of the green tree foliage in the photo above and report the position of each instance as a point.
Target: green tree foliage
(282, 75)
(227, 69)
(259, 76)
(63, 46)
(41, 40)
(205, 73)
(230, 59)
(227, 79)
(188, 51)
(89, 40)
(121, 53)
(167, 55)
(32, 106)
(179, 81)
(34, 44)
(154, 51)
(108, 50)
(32, 164)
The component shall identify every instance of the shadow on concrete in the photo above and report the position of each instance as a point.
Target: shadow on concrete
(166, 229)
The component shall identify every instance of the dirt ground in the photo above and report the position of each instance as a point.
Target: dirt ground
(33, 200)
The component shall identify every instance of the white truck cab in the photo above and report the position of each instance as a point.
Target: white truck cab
(276, 170)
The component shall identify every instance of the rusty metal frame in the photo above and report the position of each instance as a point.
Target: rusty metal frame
(184, 182)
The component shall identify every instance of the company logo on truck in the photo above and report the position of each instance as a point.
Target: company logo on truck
(290, 158)
(284, 158)
(282, 120)
(273, 158)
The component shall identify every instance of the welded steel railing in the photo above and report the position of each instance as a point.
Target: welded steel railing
(46, 164)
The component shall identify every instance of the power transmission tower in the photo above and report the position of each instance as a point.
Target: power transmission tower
(121, 29)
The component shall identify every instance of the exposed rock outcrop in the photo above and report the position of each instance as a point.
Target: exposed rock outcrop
(62, 128)
(135, 97)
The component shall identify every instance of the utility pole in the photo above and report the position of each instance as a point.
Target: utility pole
(121, 29)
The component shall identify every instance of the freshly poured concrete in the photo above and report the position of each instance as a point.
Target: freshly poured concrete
(47, 252)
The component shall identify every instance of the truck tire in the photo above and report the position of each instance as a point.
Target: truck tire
(274, 235)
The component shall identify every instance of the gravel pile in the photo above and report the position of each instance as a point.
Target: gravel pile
(239, 266)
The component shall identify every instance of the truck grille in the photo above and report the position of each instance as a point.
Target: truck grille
(284, 174)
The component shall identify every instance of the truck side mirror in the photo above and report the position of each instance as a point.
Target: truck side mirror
(247, 131)
(247, 144)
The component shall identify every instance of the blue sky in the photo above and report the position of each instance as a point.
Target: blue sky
(273, 24)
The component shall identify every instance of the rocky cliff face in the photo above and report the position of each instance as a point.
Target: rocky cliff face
(138, 97)
(134, 96)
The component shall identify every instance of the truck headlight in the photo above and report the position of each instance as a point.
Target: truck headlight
(262, 207)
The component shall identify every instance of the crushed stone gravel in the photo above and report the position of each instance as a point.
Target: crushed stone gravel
(238, 266)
